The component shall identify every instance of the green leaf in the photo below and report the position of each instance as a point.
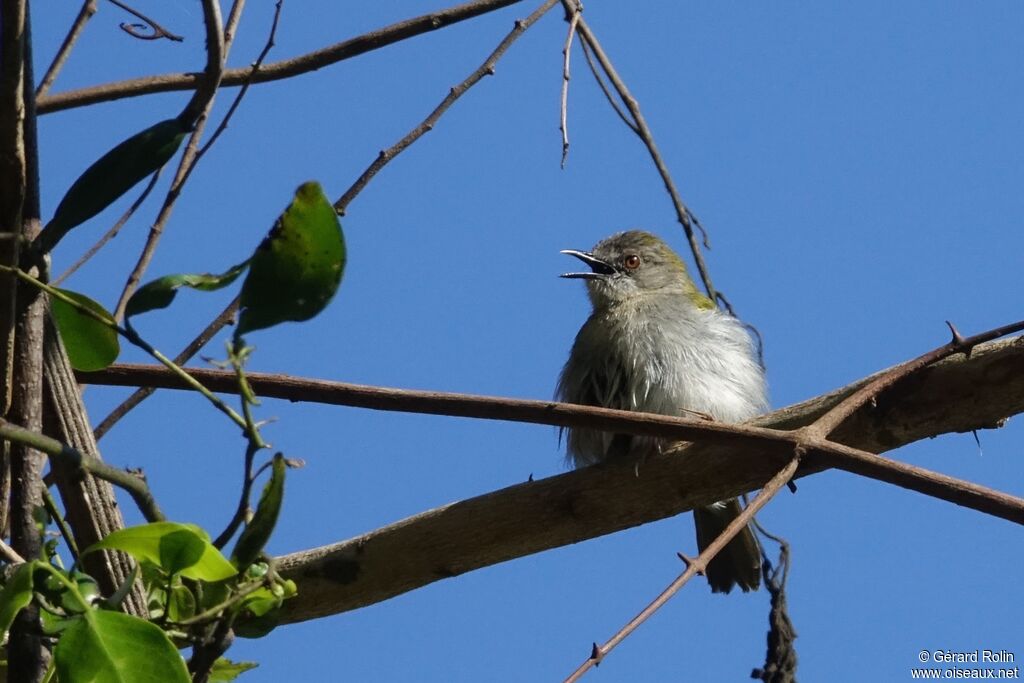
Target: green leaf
(17, 593)
(111, 647)
(91, 345)
(225, 671)
(182, 604)
(180, 550)
(297, 268)
(161, 292)
(257, 532)
(172, 547)
(111, 176)
(258, 612)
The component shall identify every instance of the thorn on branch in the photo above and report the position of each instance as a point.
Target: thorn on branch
(596, 655)
(689, 562)
(959, 341)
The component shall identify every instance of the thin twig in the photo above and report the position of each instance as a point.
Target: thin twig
(84, 14)
(216, 325)
(287, 68)
(245, 87)
(156, 30)
(693, 567)
(112, 233)
(604, 88)
(827, 423)
(234, 17)
(563, 124)
(485, 69)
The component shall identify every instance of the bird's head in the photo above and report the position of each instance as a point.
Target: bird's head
(631, 264)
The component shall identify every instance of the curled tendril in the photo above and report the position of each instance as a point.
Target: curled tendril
(148, 30)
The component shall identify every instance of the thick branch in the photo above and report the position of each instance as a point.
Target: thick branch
(535, 516)
(89, 503)
(278, 70)
(27, 656)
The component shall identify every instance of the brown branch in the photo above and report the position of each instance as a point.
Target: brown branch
(84, 14)
(27, 658)
(12, 193)
(822, 452)
(684, 215)
(216, 53)
(604, 88)
(485, 69)
(245, 87)
(563, 123)
(695, 566)
(306, 63)
(538, 412)
(870, 391)
(89, 503)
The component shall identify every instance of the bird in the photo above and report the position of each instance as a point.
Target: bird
(654, 343)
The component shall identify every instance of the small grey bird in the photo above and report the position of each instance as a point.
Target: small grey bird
(655, 344)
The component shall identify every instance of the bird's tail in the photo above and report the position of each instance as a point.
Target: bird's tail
(739, 562)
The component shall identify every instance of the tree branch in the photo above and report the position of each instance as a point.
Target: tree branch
(84, 14)
(312, 61)
(89, 503)
(28, 658)
(485, 69)
(536, 516)
(963, 383)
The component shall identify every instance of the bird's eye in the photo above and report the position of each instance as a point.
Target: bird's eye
(632, 262)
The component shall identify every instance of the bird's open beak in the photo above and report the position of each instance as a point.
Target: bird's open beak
(598, 268)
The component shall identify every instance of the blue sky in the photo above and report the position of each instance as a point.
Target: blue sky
(859, 168)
